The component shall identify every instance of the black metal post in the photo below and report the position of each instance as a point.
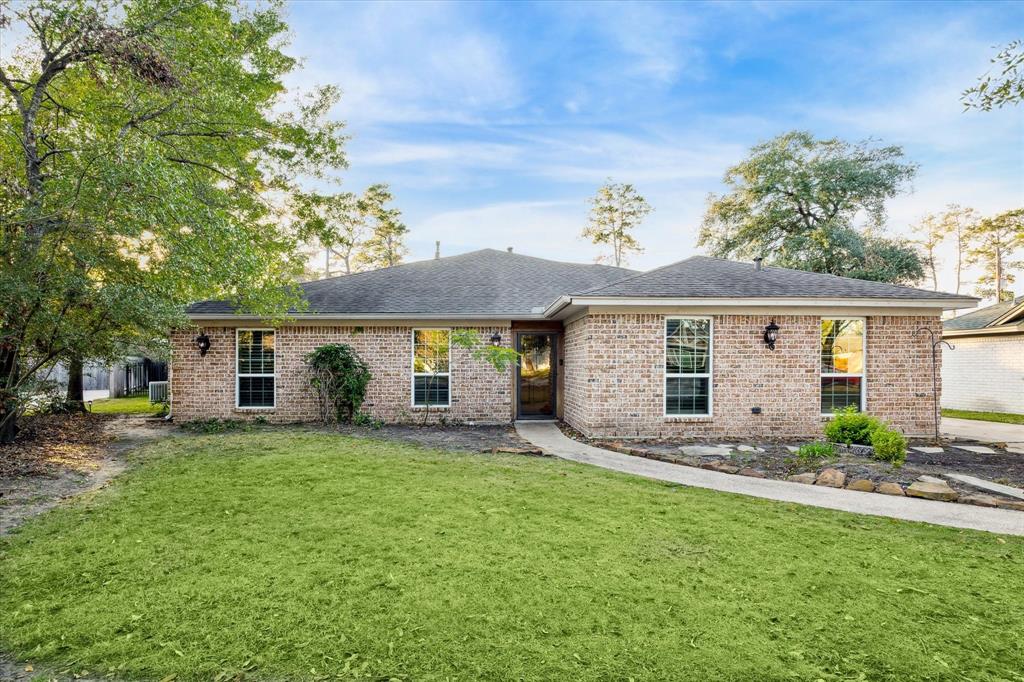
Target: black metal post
(935, 382)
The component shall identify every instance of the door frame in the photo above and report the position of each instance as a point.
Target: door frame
(553, 335)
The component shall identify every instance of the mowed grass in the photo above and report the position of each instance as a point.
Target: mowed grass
(138, 404)
(291, 555)
(1005, 417)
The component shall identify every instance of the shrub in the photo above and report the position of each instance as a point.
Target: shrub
(890, 446)
(850, 426)
(816, 451)
(339, 377)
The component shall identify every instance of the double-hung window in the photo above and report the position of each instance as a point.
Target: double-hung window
(842, 364)
(431, 377)
(688, 343)
(254, 363)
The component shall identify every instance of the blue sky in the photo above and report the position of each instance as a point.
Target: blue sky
(494, 122)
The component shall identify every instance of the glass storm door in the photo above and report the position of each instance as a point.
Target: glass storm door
(536, 375)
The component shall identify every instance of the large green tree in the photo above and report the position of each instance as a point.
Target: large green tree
(385, 245)
(817, 205)
(994, 241)
(144, 148)
(615, 211)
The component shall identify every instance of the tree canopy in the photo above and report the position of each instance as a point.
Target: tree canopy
(796, 201)
(1003, 87)
(147, 146)
(994, 241)
(615, 211)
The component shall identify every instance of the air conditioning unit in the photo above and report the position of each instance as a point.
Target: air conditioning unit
(158, 391)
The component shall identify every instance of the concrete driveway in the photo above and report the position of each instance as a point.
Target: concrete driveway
(986, 432)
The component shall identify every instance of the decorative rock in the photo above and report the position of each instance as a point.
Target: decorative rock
(889, 488)
(863, 485)
(932, 491)
(753, 473)
(833, 478)
(863, 450)
(981, 500)
(706, 450)
(689, 461)
(977, 449)
(792, 448)
(928, 450)
(931, 479)
(749, 448)
(807, 478)
(720, 466)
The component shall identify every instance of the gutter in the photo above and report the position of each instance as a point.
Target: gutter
(984, 331)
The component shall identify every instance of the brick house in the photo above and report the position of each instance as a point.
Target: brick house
(683, 350)
(985, 368)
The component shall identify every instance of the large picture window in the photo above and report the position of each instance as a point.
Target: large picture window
(255, 367)
(688, 366)
(431, 375)
(842, 364)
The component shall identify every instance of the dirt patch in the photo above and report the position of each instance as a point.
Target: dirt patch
(59, 456)
(466, 438)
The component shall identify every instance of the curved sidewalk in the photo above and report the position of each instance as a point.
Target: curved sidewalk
(548, 437)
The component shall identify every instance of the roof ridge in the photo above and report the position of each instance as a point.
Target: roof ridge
(639, 274)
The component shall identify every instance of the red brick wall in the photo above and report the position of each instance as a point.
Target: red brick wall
(615, 376)
(204, 387)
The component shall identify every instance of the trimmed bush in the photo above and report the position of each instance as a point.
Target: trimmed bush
(850, 426)
(890, 446)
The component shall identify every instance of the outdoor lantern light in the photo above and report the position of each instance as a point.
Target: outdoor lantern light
(202, 343)
(495, 339)
(771, 333)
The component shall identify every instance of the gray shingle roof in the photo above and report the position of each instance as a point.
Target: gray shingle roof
(704, 277)
(982, 318)
(485, 282)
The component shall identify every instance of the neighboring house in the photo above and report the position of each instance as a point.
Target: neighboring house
(985, 371)
(677, 351)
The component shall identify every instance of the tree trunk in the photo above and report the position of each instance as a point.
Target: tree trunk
(76, 395)
(8, 404)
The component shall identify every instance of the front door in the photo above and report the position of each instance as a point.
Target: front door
(535, 375)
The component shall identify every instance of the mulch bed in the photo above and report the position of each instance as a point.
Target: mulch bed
(47, 444)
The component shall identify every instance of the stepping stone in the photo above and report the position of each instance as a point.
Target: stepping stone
(928, 450)
(807, 478)
(792, 448)
(931, 479)
(833, 478)
(979, 449)
(749, 448)
(863, 485)
(932, 491)
(989, 486)
(1015, 447)
(706, 451)
(890, 488)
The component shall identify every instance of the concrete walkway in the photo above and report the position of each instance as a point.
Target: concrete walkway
(986, 432)
(548, 437)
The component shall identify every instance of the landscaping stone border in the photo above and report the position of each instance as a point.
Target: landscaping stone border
(926, 487)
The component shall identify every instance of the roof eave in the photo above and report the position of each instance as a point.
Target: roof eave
(850, 302)
(983, 331)
(330, 317)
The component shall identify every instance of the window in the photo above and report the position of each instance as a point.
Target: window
(430, 368)
(842, 364)
(255, 367)
(688, 366)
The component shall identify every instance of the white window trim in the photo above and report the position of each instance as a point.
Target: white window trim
(238, 375)
(708, 375)
(864, 373)
(412, 365)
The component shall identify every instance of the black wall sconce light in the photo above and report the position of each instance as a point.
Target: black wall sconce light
(202, 343)
(495, 339)
(771, 335)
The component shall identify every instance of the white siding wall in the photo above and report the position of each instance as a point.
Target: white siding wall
(984, 373)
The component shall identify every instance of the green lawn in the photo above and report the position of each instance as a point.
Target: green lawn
(294, 555)
(138, 404)
(1005, 417)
